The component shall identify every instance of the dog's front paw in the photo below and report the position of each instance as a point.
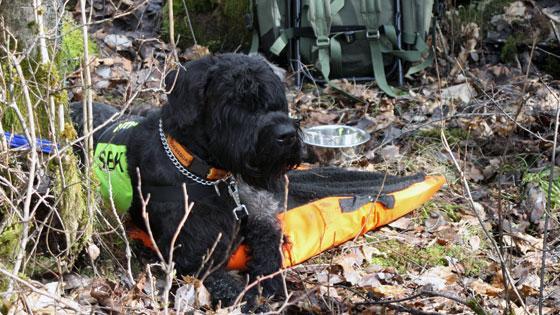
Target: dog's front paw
(255, 304)
(273, 288)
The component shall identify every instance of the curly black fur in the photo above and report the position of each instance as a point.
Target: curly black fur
(231, 111)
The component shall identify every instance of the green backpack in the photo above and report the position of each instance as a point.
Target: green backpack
(358, 39)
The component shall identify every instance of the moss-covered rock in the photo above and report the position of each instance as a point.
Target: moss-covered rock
(217, 24)
(63, 225)
(72, 48)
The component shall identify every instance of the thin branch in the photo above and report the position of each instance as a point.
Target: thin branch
(525, 84)
(167, 266)
(32, 170)
(87, 113)
(548, 210)
(128, 251)
(172, 31)
(58, 299)
(469, 198)
(255, 283)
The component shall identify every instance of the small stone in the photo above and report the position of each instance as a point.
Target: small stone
(118, 42)
(464, 92)
(103, 71)
(101, 84)
(390, 153)
(146, 51)
(93, 251)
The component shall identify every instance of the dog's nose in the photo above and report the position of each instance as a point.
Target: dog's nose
(285, 134)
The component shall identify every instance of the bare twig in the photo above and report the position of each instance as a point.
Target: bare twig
(87, 114)
(168, 265)
(286, 191)
(548, 209)
(189, 21)
(467, 187)
(256, 282)
(128, 251)
(32, 170)
(478, 216)
(70, 304)
(521, 100)
(172, 31)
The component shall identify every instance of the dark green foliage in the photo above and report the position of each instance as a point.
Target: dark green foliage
(217, 24)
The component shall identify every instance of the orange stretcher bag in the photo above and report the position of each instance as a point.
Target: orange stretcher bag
(330, 221)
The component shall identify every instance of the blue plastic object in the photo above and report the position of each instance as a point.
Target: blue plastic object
(20, 141)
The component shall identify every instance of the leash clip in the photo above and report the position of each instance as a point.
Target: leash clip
(241, 207)
(234, 193)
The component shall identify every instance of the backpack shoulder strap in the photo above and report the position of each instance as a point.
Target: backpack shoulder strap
(319, 16)
(370, 11)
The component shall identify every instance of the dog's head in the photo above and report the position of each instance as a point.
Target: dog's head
(234, 108)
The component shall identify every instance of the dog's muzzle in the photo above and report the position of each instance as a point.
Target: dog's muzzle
(285, 134)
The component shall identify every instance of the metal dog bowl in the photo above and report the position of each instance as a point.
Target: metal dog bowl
(335, 136)
(335, 143)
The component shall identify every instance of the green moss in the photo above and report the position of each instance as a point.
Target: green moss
(509, 50)
(69, 192)
(551, 65)
(481, 12)
(217, 24)
(542, 180)
(72, 48)
(476, 306)
(453, 135)
(423, 213)
(451, 211)
(71, 199)
(9, 239)
(403, 257)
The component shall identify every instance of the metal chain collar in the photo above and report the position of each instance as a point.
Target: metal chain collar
(180, 167)
(233, 189)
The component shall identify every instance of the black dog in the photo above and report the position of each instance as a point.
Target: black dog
(229, 113)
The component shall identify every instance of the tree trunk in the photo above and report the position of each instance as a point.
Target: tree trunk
(33, 103)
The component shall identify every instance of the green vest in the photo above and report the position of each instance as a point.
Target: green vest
(111, 168)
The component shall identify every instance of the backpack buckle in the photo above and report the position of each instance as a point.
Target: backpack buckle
(373, 34)
(248, 22)
(322, 41)
(350, 37)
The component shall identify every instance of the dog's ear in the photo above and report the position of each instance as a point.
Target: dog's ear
(186, 87)
(279, 72)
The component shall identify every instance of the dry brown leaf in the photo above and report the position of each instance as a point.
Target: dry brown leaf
(369, 281)
(474, 243)
(473, 173)
(389, 291)
(321, 117)
(526, 243)
(484, 288)
(439, 277)
(195, 52)
(401, 224)
(349, 263)
(463, 92)
(530, 285)
(191, 296)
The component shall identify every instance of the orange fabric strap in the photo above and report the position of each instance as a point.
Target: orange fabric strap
(187, 159)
